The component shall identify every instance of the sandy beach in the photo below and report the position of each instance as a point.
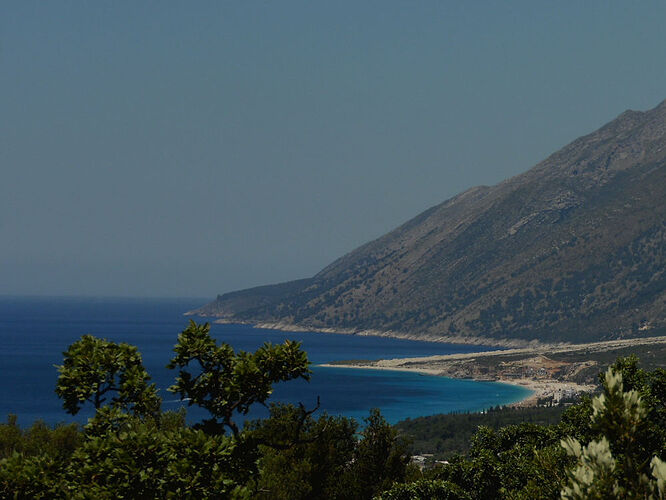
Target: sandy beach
(529, 367)
(541, 388)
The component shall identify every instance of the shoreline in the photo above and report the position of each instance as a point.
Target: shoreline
(443, 339)
(540, 389)
(531, 368)
(505, 346)
(543, 386)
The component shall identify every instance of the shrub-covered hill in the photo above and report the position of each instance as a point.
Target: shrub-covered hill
(573, 249)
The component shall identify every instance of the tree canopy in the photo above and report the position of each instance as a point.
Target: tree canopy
(95, 370)
(224, 382)
(611, 446)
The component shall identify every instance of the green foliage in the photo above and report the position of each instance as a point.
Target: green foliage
(517, 461)
(651, 388)
(613, 447)
(33, 460)
(39, 439)
(613, 444)
(303, 457)
(131, 450)
(425, 490)
(327, 459)
(450, 434)
(615, 466)
(95, 369)
(226, 382)
(141, 462)
(380, 458)
(575, 421)
(32, 477)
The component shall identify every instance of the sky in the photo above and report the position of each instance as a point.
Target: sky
(186, 149)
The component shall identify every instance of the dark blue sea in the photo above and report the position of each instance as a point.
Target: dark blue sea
(35, 331)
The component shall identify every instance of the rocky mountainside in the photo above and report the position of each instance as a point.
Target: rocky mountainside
(572, 250)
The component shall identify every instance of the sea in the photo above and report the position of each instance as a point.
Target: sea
(34, 331)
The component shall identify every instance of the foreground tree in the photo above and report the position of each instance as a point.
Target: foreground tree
(130, 449)
(144, 459)
(380, 458)
(311, 466)
(618, 465)
(609, 447)
(99, 371)
(225, 382)
(330, 458)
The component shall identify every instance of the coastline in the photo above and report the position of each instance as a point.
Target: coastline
(540, 389)
(538, 368)
(537, 390)
(444, 339)
(546, 387)
(510, 345)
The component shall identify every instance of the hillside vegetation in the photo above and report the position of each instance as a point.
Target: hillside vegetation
(572, 250)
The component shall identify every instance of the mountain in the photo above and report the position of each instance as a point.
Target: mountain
(572, 250)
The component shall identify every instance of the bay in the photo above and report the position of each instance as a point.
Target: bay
(35, 330)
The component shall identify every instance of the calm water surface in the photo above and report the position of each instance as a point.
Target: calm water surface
(35, 331)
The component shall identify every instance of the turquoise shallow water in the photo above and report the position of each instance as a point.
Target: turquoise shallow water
(35, 331)
(402, 395)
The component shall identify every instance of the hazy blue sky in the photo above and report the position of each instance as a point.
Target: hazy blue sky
(192, 148)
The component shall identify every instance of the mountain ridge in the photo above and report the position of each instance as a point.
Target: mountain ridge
(573, 249)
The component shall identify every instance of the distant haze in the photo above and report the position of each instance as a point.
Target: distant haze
(189, 149)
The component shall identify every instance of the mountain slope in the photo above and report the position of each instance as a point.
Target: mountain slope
(572, 250)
